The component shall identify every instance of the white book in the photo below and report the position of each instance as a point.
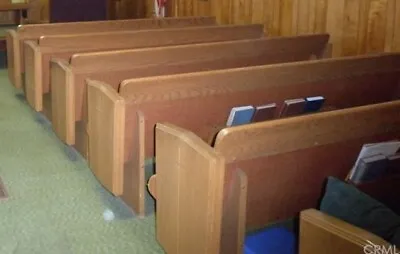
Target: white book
(385, 148)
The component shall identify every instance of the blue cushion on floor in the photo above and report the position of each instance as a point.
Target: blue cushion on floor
(270, 241)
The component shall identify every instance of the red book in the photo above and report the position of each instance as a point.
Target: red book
(293, 107)
(264, 113)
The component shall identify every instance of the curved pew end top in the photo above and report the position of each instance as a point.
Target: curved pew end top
(105, 99)
(176, 229)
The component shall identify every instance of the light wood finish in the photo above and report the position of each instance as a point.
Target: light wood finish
(209, 96)
(158, 61)
(16, 38)
(103, 99)
(64, 46)
(273, 194)
(68, 93)
(179, 196)
(321, 233)
(356, 26)
(12, 7)
(11, 13)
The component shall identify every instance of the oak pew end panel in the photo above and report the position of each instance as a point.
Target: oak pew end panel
(191, 162)
(115, 66)
(16, 38)
(321, 233)
(13, 58)
(296, 146)
(151, 100)
(105, 99)
(64, 46)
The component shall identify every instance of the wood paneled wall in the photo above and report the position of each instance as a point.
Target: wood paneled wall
(356, 26)
(39, 12)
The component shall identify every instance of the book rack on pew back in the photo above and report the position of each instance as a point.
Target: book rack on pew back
(38, 54)
(255, 174)
(16, 38)
(68, 93)
(200, 102)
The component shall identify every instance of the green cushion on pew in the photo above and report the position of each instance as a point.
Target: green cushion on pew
(346, 202)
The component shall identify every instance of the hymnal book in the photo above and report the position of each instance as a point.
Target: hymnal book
(264, 112)
(314, 104)
(293, 107)
(370, 168)
(394, 164)
(240, 115)
(385, 148)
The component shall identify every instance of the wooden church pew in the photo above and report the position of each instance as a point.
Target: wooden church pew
(16, 38)
(39, 53)
(68, 93)
(255, 174)
(201, 102)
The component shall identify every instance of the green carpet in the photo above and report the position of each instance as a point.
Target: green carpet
(56, 205)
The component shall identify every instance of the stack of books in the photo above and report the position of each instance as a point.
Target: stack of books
(376, 161)
(250, 114)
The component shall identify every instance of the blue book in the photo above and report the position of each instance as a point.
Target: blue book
(240, 115)
(314, 104)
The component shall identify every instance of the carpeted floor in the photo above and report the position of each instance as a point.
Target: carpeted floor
(55, 204)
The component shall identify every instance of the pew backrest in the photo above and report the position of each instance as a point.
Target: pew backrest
(16, 38)
(113, 67)
(145, 38)
(345, 82)
(278, 49)
(37, 76)
(303, 149)
(35, 31)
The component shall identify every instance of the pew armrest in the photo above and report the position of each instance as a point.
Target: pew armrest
(13, 57)
(62, 96)
(106, 154)
(33, 75)
(321, 233)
